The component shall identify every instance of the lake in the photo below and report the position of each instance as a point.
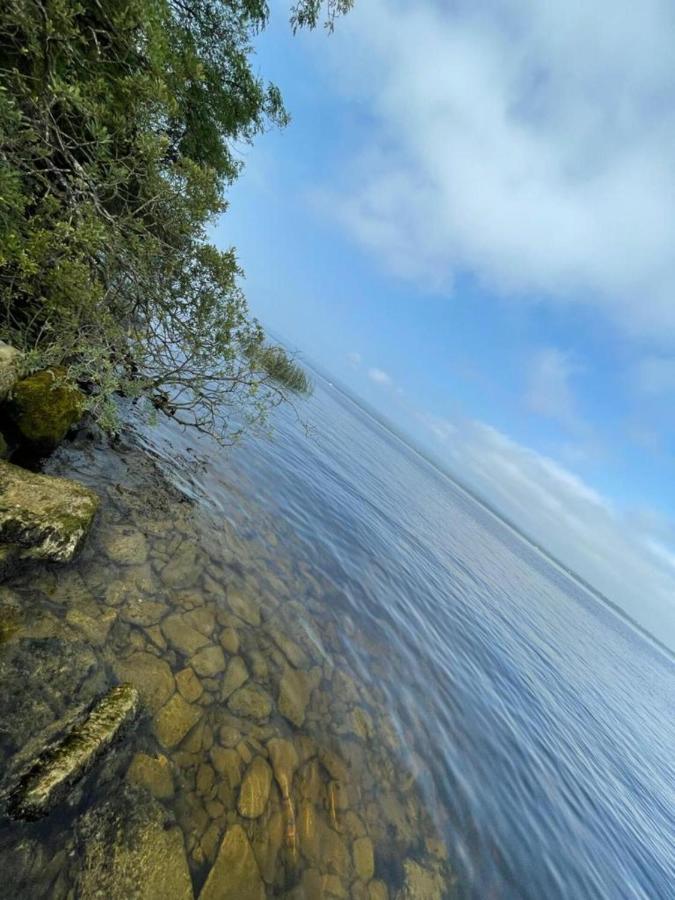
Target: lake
(432, 707)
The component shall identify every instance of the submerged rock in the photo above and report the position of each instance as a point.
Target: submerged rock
(125, 546)
(44, 409)
(128, 849)
(285, 761)
(235, 874)
(364, 859)
(255, 789)
(251, 701)
(70, 759)
(235, 676)
(174, 720)
(152, 677)
(208, 662)
(42, 517)
(295, 691)
(420, 883)
(181, 635)
(153, 773)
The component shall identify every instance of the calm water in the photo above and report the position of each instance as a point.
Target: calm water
(547, 725)
(518, 738)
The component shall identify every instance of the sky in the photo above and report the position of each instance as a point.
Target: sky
(471, 221)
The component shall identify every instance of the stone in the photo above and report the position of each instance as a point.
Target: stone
(243, 606)
(42, 517)
(205, 779)
(128, 849)
(61, 766)
(181, 635)
(125, 546)
(44, 407)
(210, 838)
(152, 678)
(295, 690)
(229, 640)
(208, 662)
(235, 676)
(229, 736)
(285, 761)
(10, 362)
(250, 701)
(364, 858)
(143, 613)
(332, 886)
(292, 651)
(154, 632)
(420, 883)
(152, 773)
(377, 890)
(4, 447)
(203, 619)
(255, 789)
(94, 628)
(181, 570)
(235, 874)
(227, 762)
(267, 842)
(189, 685)
(174, 720)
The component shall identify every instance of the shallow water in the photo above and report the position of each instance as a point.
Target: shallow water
(450, 699)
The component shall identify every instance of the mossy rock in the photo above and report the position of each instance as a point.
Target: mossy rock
(4, 449)
(42, 517)
(44, 409)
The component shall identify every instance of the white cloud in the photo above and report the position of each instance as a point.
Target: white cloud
(625, 557)
(529, 143)
(380, 377)
(442, 429)
(549, 391)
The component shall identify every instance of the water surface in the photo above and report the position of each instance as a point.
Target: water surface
(456, 702)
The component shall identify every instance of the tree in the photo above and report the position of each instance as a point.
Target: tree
(118, 120)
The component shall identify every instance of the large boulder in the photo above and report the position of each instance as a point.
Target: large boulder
(42, 517)
(44, 408)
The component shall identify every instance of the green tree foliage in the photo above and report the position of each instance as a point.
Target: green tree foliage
(118, 122)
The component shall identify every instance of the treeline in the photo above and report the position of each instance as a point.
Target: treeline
(117, 125)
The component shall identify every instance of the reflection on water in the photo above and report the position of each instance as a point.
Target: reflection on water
(262, 765)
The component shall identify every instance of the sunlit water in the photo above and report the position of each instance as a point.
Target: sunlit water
(452, 699)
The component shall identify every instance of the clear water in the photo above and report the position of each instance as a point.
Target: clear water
(519, 737)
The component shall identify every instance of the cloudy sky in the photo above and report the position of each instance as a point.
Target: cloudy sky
(471, 222)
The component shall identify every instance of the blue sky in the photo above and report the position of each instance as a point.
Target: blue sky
(470, 221)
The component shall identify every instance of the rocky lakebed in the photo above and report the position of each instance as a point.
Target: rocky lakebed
(178, 718)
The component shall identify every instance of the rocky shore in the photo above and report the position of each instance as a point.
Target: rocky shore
(241, 758)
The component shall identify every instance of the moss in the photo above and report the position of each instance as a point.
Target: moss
(45, 408)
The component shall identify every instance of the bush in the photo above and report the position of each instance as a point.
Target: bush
(117, 122)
